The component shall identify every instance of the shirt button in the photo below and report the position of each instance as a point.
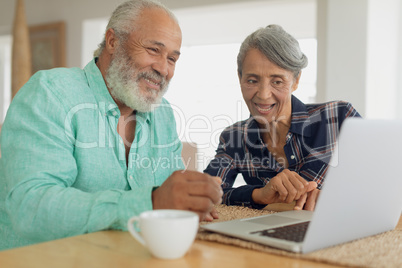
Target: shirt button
(131, 178)
(114, 113)
(292, 157)
(121, 142)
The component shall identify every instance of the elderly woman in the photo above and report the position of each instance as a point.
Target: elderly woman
(283, 149)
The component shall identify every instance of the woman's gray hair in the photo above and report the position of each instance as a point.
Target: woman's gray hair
(277, 45)
(124, 17)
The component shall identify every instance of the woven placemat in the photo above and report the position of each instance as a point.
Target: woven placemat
(383, 250)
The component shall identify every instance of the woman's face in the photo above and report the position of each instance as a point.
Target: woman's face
(267, 88)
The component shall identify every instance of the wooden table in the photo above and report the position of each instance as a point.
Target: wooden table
(118, 249)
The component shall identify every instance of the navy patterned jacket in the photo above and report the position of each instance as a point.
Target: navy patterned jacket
(310, 143)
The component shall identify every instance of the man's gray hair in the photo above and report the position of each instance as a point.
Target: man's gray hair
(277, 45)
(123, 19)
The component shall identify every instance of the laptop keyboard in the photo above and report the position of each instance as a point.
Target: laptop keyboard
(294, 232)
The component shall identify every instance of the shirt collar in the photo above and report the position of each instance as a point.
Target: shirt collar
(144, 116)
(300, 123)
(105, 101)
(252, 133)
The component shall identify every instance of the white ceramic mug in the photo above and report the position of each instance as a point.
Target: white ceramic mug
(167, 233)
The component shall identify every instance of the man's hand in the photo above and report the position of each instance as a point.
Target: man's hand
(285, 187)
(189, 190)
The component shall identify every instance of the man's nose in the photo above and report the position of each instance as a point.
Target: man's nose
(162, 67)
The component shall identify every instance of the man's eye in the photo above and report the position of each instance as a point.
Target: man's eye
(172, 59)
(152, 49)
(277, 82)
(251, 81)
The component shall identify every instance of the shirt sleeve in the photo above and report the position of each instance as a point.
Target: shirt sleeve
(40, 171)
(226, 165)
(340, 112)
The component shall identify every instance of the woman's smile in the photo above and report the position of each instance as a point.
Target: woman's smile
(264, 108)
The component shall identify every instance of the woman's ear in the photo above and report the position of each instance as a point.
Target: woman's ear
(296, 83)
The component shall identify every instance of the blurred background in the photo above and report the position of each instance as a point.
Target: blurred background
(354, 49)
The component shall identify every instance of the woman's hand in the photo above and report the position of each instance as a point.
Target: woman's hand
(285, 187)
(211, 215)
(308, 200)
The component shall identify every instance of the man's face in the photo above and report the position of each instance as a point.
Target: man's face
(267, 88)
(142, 67)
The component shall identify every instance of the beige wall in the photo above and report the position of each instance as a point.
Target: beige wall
(74, 12)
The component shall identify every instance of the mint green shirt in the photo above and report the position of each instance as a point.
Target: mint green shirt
(63, 170)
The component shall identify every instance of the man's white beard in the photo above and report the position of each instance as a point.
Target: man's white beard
(122, 79)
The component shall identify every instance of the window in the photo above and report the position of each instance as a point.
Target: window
(5, 75)
(92, 34)
(205, 93)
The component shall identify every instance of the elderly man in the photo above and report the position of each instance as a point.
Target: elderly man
(84, 150)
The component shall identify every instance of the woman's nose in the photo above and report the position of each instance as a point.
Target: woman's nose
(264, 92)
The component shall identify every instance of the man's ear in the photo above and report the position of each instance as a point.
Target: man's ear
(296, 83)
(111, 41)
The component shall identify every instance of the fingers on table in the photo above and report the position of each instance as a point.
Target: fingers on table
(311, 200)
(300, 202)
(290, 186)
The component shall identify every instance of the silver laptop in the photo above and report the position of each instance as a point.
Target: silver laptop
(361, 196)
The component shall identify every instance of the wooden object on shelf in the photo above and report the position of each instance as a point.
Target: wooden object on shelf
(21, 52)
(48, 46)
